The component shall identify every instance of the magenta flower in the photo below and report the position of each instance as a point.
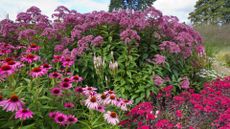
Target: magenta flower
(55, 75)
(6, 70)
(33, 47)
(12, 104)
(46, 66)
(65, 85)
(87, 91)
(71, 119)
(69, 105)
(102, 99)
(159, 59)
(60, 118)
(14, 64)
(76, 78)
(101, 109)
(111, 117)
(38, 72)
(67, 62)
(23, 114)
(56, 91)
(29, 58)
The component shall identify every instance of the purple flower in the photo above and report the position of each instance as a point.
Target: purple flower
(185, 83)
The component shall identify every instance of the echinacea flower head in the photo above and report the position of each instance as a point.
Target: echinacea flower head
(87, 91)
(23, 114)
(55, 75)
(69, 105)
(102, 99)
(60, 118)
(56, 58)
(30, 58)
(12, 104)
(53, 114)
(65, 85)
(111, 117)
(111, 99)
(38, 72)
(14, 64)
(6, 70)
(46, 66)
(92, 102)
(101, 109)
(71, 119)
(76, 78)
(78, 89)
(56, 91)
(33, 47)
(67, 62)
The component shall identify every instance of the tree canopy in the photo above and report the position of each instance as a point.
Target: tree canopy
(211, 12)
(130, 4)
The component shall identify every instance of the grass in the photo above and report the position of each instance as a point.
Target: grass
(217, 41)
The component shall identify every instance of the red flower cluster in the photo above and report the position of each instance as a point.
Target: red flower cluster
(210, 108)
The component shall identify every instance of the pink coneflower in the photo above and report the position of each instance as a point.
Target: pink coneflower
(102, 98)
(14, 64)
(6, 70)
(67, 80)
(23, 114)
(56, 59)
(12, 104)
(69, 105)
(46, 66)
(55, 75)
(71, 119)
(124, 103)
(76, 78)
(109, 92)
(53, 114)
(111, 117)
(101, 109)
(67, 62)
(112, 99)
(33, 47)
(92, 102)
(78, 89)
(29, 58)
(56, 91)
(60, 118)
(89, 90)
(38, 72)
(65, 85)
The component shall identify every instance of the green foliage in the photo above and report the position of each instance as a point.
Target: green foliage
(211, 12)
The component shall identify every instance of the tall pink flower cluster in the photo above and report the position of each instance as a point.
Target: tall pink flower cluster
(129, 35)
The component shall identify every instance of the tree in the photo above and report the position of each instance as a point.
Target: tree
(130, 4)
(211, 12)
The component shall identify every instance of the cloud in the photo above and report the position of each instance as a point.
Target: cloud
(13, 7)
(179, 8)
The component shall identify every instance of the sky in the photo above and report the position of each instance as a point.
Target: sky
(179, 8)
